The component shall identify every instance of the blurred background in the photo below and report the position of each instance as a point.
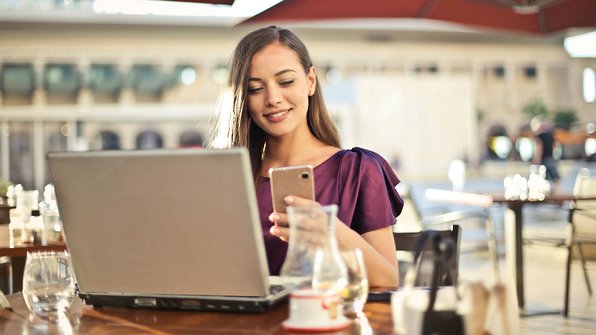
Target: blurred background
(424, 86)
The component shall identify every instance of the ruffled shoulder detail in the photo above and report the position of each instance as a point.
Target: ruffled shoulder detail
(367, 185)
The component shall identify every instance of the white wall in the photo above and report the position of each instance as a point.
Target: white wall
(419, 122)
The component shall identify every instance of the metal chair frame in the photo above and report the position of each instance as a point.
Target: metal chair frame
(406, 241)
(459, 216)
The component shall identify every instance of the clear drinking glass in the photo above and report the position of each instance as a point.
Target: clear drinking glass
(48, 283)
(356, 292)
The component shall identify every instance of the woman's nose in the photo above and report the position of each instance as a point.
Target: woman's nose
(273, 96)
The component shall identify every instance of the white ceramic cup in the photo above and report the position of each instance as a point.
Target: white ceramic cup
(314, 306)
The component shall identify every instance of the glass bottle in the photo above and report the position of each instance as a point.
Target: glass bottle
(52, 224)
(313, 259)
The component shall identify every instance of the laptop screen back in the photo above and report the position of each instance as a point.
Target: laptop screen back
(161, 222)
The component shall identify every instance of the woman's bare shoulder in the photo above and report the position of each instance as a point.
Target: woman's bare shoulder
(323, 154)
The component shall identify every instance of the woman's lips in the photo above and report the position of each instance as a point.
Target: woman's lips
(278, 115)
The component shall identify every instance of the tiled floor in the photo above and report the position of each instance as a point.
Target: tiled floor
(544, 269)
(544, 290)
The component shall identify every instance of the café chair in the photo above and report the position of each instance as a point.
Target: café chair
(419, 209)
(6, 274)
(413, 212)
(406, 242)
(582, 219)
(480, 233)
(581, 230)
(471, 218)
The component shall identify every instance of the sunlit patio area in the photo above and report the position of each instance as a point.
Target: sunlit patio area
(544, 265)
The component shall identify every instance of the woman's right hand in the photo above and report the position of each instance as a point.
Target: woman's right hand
(280, 221)
(280, 226)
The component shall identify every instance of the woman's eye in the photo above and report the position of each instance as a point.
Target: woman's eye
(254, 90)
(286, 82)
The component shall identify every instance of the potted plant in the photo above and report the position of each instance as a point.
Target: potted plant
(4, 206)
(565, 119)
(3, 190)
(535, 108)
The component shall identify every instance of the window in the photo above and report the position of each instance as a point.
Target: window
(106, 140)
(149, 139)
(589, 85)
(530, 72)
(191, 138)
(147, 82)
(17, 80)
(61, 81)
(105, 81)
(21, 154)
(499, 71)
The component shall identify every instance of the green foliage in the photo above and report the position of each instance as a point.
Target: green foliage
(4, 187)
(535, 108)
(565, 119)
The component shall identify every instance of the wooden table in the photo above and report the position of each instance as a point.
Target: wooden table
(84, 319)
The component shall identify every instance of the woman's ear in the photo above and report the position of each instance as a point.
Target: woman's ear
(312, 80)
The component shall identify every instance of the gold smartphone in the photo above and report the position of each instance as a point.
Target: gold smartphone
(291, 180)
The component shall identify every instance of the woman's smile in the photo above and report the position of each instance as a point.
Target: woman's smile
(278, 116)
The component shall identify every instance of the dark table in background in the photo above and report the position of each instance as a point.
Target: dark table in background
(513, 232)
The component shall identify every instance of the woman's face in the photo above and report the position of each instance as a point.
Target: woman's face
(278, 91)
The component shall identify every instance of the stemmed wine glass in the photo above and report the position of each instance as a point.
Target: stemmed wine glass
(356, 292)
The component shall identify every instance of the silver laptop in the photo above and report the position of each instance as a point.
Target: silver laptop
(176, 229)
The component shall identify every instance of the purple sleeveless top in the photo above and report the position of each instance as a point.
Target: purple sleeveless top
(360, 182)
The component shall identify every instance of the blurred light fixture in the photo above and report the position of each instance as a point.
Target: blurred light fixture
(526, 10)
(240, 8)
(501, 146)
(188, 76)
(527, 7)
(525, 148)
(65, 129)
(581, 46)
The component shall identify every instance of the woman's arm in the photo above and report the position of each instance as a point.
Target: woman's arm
(378, 247)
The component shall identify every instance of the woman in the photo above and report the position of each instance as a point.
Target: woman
(278, 113)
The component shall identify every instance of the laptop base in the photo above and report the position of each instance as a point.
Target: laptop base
(218, 304)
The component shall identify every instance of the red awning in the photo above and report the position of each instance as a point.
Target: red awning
(532, 16)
